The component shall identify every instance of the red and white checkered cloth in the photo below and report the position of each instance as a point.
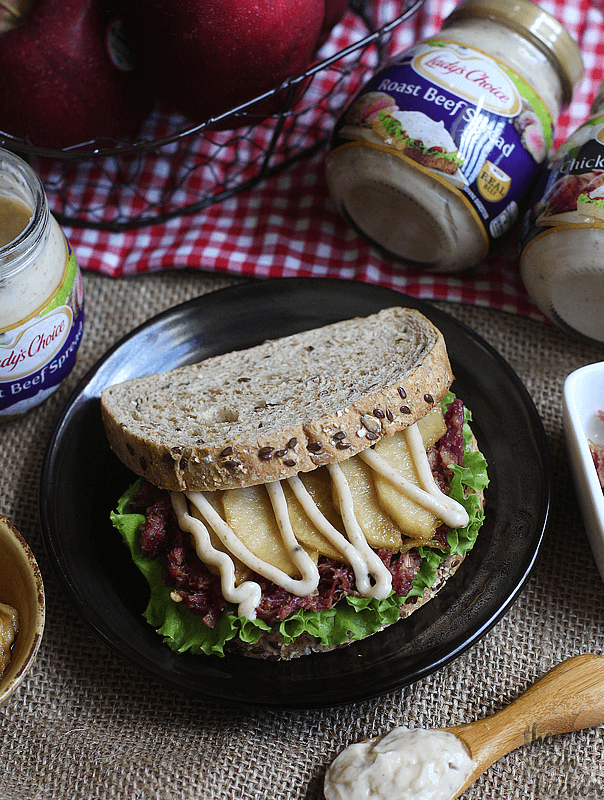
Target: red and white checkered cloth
(287, 225)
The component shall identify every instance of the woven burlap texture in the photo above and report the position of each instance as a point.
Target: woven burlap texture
(87, 725)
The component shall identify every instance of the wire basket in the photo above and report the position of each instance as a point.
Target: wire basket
(174, 168)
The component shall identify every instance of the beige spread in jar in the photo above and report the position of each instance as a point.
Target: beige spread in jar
(14, 218)
(563, 233)
(41, 297)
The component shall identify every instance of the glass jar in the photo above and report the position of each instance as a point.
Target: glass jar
(41, 296)
(432, 160)
(562, 241)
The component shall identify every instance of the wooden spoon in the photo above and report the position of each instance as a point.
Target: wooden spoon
(568, 698)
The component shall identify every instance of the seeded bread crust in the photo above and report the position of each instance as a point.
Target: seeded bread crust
(286, 406)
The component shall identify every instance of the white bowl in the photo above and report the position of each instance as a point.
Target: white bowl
(583, 398)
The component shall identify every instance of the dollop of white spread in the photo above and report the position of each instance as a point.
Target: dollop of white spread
(405, 764)
(419, 126)
(598, 193)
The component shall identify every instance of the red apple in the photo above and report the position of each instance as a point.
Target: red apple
(204, 57)
(59, 84)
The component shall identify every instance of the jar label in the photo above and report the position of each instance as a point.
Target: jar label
(36, 355)
(462, 117)
(570, 191)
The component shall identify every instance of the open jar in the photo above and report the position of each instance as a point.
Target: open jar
(41, 296)
(433, 159)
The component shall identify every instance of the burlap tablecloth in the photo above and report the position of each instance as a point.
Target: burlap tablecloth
(85, 724)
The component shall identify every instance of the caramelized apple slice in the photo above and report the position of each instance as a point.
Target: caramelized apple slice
(414, 520)
(318, 485)
(242, 572)
(250, 514)
(379, 528)
(432, 427)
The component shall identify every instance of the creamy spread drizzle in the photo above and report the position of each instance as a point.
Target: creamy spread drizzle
(305, 564)
(406, 764)
(427, 494)
(340, 542)
(247, 594)
(301, 587)
(372, 577)
(375, 566)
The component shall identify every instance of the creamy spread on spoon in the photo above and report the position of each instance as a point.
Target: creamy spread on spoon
(404, 764)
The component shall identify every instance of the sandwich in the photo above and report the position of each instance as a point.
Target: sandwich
(366, 109)
(590, 203)
(301, 494)
(582, 193)
(419, 138)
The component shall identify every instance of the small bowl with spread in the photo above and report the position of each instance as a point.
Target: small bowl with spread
(583, 403)
(22, 609)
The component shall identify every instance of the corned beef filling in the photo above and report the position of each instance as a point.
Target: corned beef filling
(195, 586)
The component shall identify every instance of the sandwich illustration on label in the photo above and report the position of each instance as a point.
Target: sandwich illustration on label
(570, 191)
(301, 494)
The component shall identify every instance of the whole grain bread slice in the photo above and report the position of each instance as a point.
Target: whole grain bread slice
(286, 406)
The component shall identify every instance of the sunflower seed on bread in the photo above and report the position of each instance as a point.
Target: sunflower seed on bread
(283, 407)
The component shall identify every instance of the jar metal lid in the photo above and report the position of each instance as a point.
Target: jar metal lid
(542, 28)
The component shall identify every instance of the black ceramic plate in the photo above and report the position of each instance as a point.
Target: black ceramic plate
(82, 480)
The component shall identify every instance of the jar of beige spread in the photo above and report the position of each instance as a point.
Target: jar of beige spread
(562, 242)
(41, 297)
(433, 159)
(406, 764)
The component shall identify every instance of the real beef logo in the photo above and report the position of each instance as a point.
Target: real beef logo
(36, 345)
(478, 79)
